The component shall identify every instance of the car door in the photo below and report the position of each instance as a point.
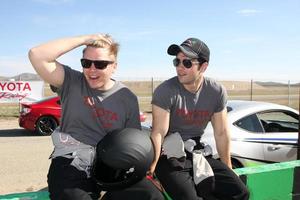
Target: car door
(246, 139)
(280, 135)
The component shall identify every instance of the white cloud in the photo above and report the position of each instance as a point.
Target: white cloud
(248, 12)
(246, 40)
(14, 65)
(228, 51)
(54, 2)
(134, 35)
(71, 20)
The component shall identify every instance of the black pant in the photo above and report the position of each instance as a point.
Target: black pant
(65, 182)
(178, 182)
(143, 190)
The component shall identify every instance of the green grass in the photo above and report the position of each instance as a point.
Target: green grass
(9, 110)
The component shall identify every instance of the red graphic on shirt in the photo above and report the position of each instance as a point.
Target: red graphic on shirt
(106, 117)
(193, 117)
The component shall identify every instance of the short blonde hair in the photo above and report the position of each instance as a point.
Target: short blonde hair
(107, 43)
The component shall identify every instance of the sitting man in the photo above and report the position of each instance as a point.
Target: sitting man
(182, 106)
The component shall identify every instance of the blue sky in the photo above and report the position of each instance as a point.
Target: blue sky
(248, 39)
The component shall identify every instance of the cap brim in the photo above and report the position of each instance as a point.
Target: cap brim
(174, 49)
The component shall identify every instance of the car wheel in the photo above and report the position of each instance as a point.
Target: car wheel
(45, 125)
(235, 164)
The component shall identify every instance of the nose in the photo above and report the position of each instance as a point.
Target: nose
(180, 66)
(93, 66)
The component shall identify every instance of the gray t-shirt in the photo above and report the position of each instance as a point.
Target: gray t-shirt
(89, 114)
(189, 112)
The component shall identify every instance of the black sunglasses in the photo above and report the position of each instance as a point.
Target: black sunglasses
(99, 64)
(187, 63)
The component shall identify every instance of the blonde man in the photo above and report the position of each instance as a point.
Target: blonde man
(93, 104)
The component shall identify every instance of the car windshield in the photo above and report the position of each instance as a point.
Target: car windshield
(279, 121)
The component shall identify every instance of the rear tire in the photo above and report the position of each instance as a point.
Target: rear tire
(45, 125)
(236, 164)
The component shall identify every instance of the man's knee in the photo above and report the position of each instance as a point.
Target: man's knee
(133, 195)
(206, 187)
(77, 194)
(245, 194)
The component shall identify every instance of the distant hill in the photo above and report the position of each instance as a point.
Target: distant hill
(22, 77)
(270, 83)
(228, 84)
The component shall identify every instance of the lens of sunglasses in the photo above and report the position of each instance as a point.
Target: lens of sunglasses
(99, 64)
(85, 63)
(186, 62)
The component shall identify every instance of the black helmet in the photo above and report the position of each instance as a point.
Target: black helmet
(122, 158)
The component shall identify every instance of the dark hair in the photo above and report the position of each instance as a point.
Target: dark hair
(201, 60)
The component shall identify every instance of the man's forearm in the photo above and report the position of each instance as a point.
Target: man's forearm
(50, 51)
(157, 141)
(223, 147)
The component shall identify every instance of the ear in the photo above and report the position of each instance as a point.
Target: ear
(114, 67)
(203, 67)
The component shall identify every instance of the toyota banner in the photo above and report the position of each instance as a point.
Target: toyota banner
(20, 91)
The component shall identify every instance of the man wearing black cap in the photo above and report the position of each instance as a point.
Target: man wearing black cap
(182, 106)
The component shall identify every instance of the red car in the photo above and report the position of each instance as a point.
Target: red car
(44, 116)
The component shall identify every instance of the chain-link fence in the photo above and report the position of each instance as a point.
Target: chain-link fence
(283, 92)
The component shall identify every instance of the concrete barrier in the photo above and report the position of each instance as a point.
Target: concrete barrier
(40, 195)
(279, 181)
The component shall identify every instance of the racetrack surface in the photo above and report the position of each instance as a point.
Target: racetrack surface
(23, 157)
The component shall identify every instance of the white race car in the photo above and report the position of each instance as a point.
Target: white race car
(260, 133)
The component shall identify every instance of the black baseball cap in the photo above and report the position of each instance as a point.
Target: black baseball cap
(192, 48)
